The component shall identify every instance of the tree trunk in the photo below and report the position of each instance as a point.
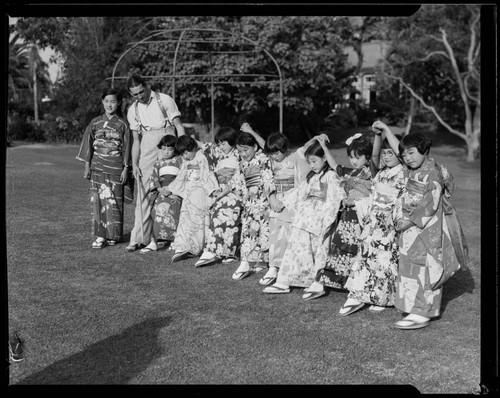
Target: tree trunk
(411, 114)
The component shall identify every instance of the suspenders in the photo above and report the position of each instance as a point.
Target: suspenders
(168, 124)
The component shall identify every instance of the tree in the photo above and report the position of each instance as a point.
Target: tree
(435, 56)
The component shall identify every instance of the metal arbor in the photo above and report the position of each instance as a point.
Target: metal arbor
(193, 43)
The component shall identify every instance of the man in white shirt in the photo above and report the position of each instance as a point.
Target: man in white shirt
(151, 116)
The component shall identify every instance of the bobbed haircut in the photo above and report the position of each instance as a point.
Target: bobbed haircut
(361, 146)
(246, 139)
(276, 142)
(168, 141)
(185, 143)
(136, 80)
(227, 134)
(417, 140)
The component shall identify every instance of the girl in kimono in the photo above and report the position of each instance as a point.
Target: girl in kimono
(255, 179)
(356, 181)
(432, 246)
(372, 278)
(195, 184)
(105, 149)
(222, 240)
(165, 210)
(290, 168)
(315, 203)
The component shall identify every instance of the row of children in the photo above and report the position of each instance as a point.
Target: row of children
(383, 229)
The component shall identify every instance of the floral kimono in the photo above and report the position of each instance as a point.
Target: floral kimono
(315, 204)
(346, 230)
(288, 173)
(373, 274)
(255, 180)
(434, 248)
(165, 209)
(223, 233)
(106, 145)
(194, 184)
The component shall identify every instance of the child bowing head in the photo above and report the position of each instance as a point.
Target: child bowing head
(316, 159)
(277, 146)
(247, 146)
(187, 147)
(414, 149)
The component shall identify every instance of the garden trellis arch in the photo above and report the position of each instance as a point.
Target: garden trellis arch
(207, 37)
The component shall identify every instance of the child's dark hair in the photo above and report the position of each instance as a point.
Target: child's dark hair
(246, 139)
(117, 94)
(168, 141)
(227, 134)
(315, 149)
(360, 146)
(418, 140)
(185, 143)
(276, 142)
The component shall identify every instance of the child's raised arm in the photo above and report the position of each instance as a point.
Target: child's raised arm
(323, 139)
(377, 145)
(391, 138)
(245, 127)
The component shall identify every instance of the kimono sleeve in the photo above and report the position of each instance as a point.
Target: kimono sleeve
(86, 149)
(334, 195)
(429, 204)
(127, 145)
(178, 186)
(208, 177)
(301, 166)
(267, 175)
(154, 178)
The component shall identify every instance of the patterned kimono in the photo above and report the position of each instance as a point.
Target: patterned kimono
(165, 209)
(373, 274)
(194, 184)
(315, 205)
(346, 230)
(223, 233)
(288, 173)
(255, 179)
(434, 248)
(106, 145)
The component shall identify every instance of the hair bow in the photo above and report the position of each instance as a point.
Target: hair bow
(351, 139)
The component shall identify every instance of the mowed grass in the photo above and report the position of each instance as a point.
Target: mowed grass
(111, 317)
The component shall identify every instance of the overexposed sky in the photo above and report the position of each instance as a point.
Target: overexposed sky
(45, 55)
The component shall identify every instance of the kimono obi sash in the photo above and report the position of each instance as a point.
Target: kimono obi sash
(415, 187)
(384, 197)
(169, 170)
(318, 194)
(284, 184)
(194, 172)
(226, 169)
(253, 178)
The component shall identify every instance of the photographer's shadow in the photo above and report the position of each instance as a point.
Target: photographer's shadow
(114, 360)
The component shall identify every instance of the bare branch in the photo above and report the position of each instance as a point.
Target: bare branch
(426, 106)
(428, 56)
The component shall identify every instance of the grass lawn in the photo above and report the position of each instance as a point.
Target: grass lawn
(111, 317)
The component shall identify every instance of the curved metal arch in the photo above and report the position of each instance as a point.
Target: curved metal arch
(179, 41)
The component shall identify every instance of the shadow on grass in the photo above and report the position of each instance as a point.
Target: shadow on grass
(114, 360)
(460, 283)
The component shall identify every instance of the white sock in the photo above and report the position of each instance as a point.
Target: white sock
(315, 287)
(244, 266)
